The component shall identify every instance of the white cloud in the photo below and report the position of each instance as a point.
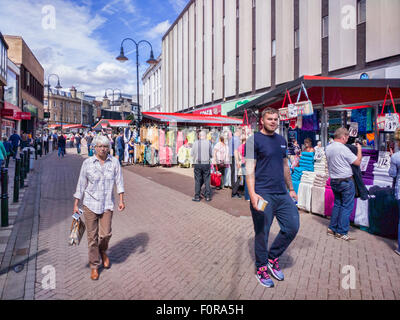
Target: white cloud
(159, 30)
(178, 5)
(70, 50)
(118, 5)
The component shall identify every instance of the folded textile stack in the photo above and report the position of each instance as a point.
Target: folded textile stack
(318, 193)
(381, 177)
(321, 165)
(306, 163)
(304, 192)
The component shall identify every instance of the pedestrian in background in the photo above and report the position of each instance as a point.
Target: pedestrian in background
(201, 153)
(95, 189)
(221, 159)
(120, 146)
(78, 140)
(89, 139)
(8, 146)
(45, 139)
(394, 172)
(268, 178)
(61, 142)
(340, 159)
(234, 144)
(3, 154)
(15, 140)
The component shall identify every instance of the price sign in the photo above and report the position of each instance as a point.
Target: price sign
(384, 160)
(353, 130)
(364, 163)
(391, 122)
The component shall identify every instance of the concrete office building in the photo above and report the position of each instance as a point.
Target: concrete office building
(152, 87)
(219, 51)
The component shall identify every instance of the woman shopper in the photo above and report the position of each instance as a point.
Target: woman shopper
(221, 159)
(308, 145)
(240, 154)
(394, 172)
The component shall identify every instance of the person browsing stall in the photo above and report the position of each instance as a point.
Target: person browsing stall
(340, 159)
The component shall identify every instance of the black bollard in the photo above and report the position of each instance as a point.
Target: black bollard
(36, 152)
(29, 160)
(21, 172)
(25, 164)
(4, 197)
(16, 179)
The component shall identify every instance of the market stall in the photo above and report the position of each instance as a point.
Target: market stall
(314, 107)
(166, 138)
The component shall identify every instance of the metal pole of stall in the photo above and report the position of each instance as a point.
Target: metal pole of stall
(4, 197)
(16, 179)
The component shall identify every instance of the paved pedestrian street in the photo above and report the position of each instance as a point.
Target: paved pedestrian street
(165, 246)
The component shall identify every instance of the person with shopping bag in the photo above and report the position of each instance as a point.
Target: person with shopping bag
(95, 189)
(221, 158)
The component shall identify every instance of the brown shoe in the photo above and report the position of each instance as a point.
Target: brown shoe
(94, 275)
(106, 261)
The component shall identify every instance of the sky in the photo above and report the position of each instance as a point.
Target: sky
(79, 39)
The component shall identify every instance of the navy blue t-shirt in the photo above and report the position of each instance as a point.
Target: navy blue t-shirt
(269, 152)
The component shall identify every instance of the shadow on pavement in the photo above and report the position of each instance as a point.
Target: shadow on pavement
(22, 263)
(123, 249)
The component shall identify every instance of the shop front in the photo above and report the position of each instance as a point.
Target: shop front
(314, 107)
(29, 117)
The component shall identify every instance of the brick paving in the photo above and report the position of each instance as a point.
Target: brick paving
(165, 246)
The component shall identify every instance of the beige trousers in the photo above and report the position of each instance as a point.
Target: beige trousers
(98, 228)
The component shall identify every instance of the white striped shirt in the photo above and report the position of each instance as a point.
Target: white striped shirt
(96, 183)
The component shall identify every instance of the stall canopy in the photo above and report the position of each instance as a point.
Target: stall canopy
(108, 123)
(327, 92)
(205, 120)
(66, 126)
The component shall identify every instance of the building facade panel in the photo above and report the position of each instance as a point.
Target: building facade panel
(179, 66)
(192, 46)
(218, 70)
(310, 45)
(185, 65)
(230, 48)
(342, 36)
(263, 44)
(284, 41)
(208, 52)
(175, 68)
(199, 52)
(383, 29)
(245, 46)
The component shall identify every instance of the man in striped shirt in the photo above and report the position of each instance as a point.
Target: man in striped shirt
(95, 186)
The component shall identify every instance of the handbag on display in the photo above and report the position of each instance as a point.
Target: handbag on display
(388, 121)
(305, 108)
(216, 177)
(287, 113)
(77, 229)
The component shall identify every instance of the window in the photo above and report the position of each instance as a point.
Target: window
(296, 38)
(273, 48)
(325, 26)
(361, 11)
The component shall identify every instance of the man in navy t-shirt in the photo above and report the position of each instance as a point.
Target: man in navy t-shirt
(268, 178)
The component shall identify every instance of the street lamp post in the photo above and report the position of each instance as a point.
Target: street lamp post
(123, 58)
(58, 87)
